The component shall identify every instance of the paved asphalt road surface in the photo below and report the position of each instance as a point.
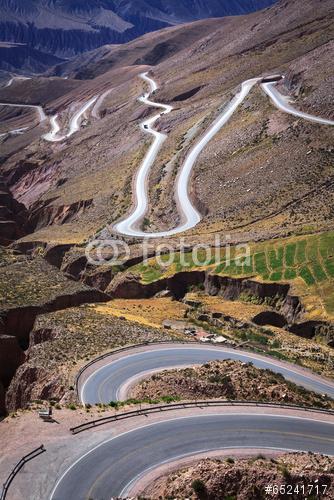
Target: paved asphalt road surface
(106, 383)
(111, 468)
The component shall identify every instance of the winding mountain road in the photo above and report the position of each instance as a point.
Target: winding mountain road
(128, 225)
(52, 135)
(189, 215)
(283, 103)
(12, 80)
(133, 451)
(111, 378)
(42, 116)
(112, 468)
(74, 124)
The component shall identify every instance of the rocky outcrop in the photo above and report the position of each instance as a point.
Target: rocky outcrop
(232, 288)
(99, 279)
(291, 309)
(19, 321)
(227, 379)
(310, 329)
(179, 284)
(32, 383)
(76, 266)
(40, 335)
(44, 213)
(245, 478)
(54, 254)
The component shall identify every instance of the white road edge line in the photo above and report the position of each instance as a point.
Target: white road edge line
(127, 489)
(170, 420)
(239, 353)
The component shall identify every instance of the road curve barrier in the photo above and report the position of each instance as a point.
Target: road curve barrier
(33, 454)
(192, 404)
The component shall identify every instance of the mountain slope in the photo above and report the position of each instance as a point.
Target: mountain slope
(64, 28)
(23, 59)
(259, 176)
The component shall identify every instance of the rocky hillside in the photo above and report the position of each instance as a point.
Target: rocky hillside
(227, 380)
(246, 478)
(265, 175)
(30, 286)
(63, 341)
(67, 28)
(89, 177)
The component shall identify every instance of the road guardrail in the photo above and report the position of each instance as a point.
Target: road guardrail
(191, 404)
(18, 467)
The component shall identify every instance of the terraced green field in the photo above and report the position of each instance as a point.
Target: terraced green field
(309, 258)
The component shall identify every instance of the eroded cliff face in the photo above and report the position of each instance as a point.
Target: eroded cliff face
(30, 287)
(11, 357)
(31, 383)
(229, 288)
(19, 321)
(13, 217)
(130, 287)
(284, 309)
(24, 382)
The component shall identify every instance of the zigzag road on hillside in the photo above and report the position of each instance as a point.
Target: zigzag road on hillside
(74, 124)
(189, 215)
(52, 135)
(39, 109)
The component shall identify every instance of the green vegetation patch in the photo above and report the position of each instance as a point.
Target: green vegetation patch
(290, 252)
(276, 258)
(260, 263)
(306, 274)
(309, 257)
